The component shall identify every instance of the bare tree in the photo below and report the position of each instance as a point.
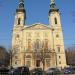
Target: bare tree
(3, 56)
(12, 53)
(70, 55)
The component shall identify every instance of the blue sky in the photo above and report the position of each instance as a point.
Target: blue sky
(37, 11)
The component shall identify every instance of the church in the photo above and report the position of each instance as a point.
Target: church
(38, 45)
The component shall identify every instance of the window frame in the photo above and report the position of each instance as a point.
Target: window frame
(55, 20)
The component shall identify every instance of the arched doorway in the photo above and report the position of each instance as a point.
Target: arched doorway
(37, 63)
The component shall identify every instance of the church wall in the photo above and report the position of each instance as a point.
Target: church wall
(37, 34)
(26, 40)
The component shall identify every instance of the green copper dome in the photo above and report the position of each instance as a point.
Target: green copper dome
(53, 6)
(52, 2)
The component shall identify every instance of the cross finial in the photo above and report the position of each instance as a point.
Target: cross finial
(22, 1)
(52, 2)
(53, 6)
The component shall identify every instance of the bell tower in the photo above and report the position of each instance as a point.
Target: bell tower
(57, 35)
(20, 16)
(17, 35)
(54, 15)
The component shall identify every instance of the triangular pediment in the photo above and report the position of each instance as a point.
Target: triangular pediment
(38, 26)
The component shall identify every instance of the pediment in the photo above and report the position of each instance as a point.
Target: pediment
(37, 26)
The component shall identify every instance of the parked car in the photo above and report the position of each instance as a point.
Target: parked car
(37, 71)
(11, 71)
(73, 70)
(53, 71)
(4, 70)
(20, 71)
(68, 70)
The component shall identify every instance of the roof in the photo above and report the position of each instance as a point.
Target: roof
(37, 26)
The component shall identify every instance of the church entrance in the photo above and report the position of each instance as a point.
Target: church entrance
(37, 63)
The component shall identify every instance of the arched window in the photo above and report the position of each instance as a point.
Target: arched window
(37, 63)
(28, 62)
(37, 44)
(59, 62)
(46, 44)
(47, 62)
(58, 49)
(17, 36)
(55, 19)
(15, 62)
(59, 57)
(57, 35)
(19, 21)
(29, 44)
(28, 56)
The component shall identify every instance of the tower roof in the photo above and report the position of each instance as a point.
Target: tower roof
(52, 2)
(53, 6)
(20, 6)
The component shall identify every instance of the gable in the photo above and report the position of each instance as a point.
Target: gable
(38, 26)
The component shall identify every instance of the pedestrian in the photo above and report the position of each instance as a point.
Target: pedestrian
(22, 71)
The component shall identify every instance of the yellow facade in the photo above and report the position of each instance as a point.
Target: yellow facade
(38, 45)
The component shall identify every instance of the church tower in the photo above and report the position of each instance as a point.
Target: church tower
(19, 23)
(38, 45)
(20, 16)
(57, 35)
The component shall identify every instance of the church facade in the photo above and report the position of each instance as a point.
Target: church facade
(38, 45)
